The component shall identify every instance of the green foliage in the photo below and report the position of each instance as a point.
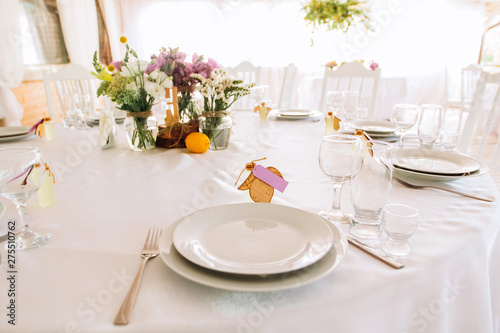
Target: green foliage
(334, 14)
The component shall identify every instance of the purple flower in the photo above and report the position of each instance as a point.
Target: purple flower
(117, 64)
(373, 66)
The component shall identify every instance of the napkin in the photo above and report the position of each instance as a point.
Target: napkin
(108, 134)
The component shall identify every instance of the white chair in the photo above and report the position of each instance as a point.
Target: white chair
(482, 122)
(248, 73)
(69, 80)
(287, 87)
(353, 76)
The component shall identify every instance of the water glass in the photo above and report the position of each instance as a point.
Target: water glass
(429, 124)
(350, 108)
(399, 223)
(450, 129)
(335, 101)
(371, 188)
(404, 116)
(340, 157)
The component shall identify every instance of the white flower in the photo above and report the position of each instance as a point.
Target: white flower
(131, 86)
(134, 68)
(154, 75)
(154, 89)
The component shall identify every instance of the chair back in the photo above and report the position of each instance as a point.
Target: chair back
(483, 120)
(470, 76)
(248, 73)
(69, 80)
(287, 87)
(352, 76)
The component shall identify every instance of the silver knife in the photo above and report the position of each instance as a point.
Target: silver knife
(394, 263)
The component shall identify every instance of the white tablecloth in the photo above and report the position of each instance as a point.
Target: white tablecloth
(107, 199)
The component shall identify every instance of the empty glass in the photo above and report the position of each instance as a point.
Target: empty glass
(405, 116)
(335, 101)
(22, 172)
(450, 129)
(350, 107)
(68, 111)
(340, 157)
(371, 188)
(399, 223)
(429, 124)
(81, 104)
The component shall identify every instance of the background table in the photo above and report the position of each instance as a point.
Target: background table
(107, 200)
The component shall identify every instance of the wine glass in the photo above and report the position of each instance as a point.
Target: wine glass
(22, 172)
(340, 157)
(82, 107)
(258, 93)
(335, 101)
(404, 117)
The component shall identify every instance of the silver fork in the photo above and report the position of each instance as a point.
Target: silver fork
(149, 251)
(443, 189)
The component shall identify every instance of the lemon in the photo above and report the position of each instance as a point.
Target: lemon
(197, 142)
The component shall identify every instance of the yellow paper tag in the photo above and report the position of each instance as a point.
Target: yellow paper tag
(46, 195)
(263, 112)
(49, 130)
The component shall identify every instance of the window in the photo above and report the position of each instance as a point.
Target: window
(41, 34)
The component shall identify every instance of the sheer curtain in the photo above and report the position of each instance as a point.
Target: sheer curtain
(11, 62)
(80, 29)
(416, 40)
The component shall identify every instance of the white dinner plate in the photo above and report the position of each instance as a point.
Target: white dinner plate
(294, 114)
(95, 120)
(434, 162)
(375, 127)
(252, 283)
(422, 176)
(2, 208)
(254, 239)
(13, 131)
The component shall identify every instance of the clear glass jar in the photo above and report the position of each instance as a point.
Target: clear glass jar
(217, 126)
(141, 129)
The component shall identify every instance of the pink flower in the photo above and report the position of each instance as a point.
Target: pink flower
(373, 66)
(117, 64)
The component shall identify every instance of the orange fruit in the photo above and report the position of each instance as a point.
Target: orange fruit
(197, 142)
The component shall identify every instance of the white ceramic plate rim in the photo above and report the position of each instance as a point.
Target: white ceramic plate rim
(278, 115)
(459, 164)
(375, 127)
(6, 132)
(252, 283)
(402, 173)
(2, 208)
(251, 247)
(15, 137)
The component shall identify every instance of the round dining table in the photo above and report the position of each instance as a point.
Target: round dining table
(108, 199)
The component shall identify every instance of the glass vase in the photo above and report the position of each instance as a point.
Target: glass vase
(141, 129)
(217, 126)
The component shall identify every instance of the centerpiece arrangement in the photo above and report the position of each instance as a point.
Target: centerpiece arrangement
(134, 90)
(219, 92)
(182, 112)
(333, 64)
(336, 14)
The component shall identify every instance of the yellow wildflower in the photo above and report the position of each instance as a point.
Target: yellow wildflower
(111, 68)
(123, 39)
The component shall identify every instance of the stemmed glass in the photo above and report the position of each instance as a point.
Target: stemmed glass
(258, 93)
(404, 117)
(350, 107)
(335, 101)
(340, 157)
(22, 172)
(82, 107)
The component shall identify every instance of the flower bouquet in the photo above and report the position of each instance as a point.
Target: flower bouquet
(335, 14)
(182, 117)
(128, 85)
(219, 93)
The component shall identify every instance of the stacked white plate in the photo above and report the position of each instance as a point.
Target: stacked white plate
(294, 114)
(376, 129)
(435, 165)
(14, 133)
(94, 121)
(252, 247)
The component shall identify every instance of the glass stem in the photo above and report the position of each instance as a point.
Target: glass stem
(402, 138)
(23, 216)
(337, 190)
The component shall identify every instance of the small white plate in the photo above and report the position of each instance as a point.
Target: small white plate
(375, 127)
(294, 114)
(434, 162)
(13, 131)
(253, 239)
(252, 283)
(95, 120)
